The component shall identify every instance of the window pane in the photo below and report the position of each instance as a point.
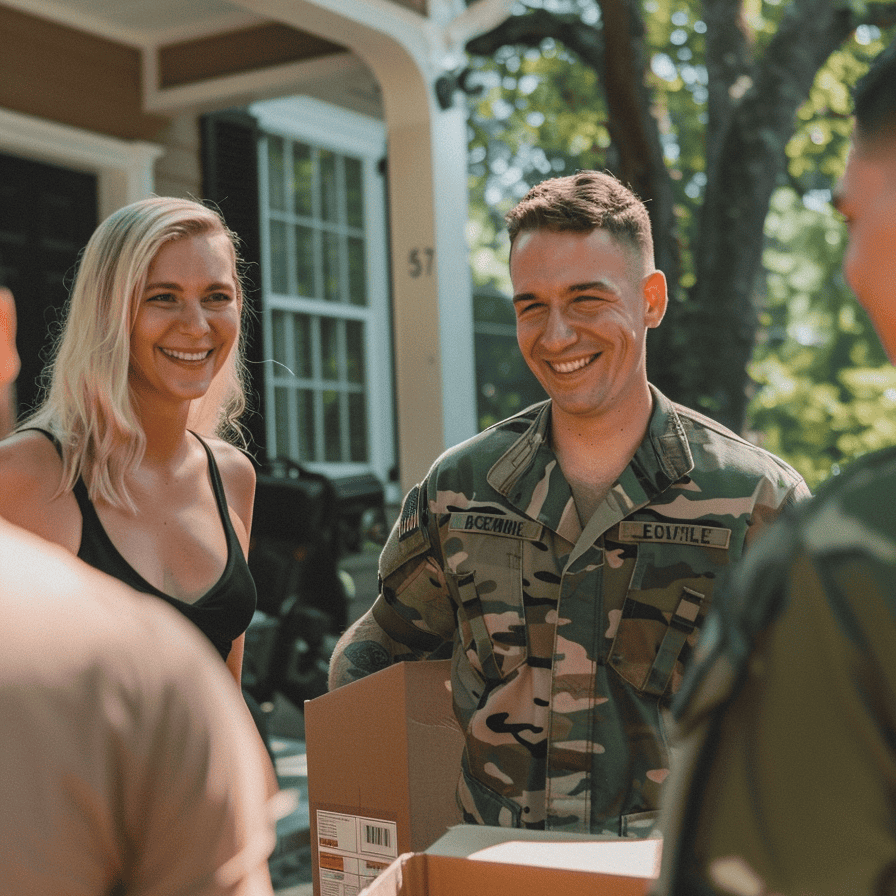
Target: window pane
(302, 346)
(354, 349)
(357, 274)
(332, 429)
(354, 193)
(279, 322)
(276, 174)
(315, 207)
(305, 262)
(306, 425)
(303, 178)
(357, 423)
(279, 276)
(329, 348)
(281, 416)
(331, 266)
(329, 186)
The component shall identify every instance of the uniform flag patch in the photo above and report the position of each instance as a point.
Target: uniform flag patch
(495, 524)
(409, 521)
(675, 533)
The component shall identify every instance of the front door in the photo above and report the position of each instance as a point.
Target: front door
(47, 214)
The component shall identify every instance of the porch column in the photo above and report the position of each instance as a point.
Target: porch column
(427, 191)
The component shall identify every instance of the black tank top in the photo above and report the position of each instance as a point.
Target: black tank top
(223, 613)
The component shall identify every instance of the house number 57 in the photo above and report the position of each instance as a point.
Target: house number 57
(420, 262)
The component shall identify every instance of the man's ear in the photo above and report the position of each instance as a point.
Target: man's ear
(656, 298)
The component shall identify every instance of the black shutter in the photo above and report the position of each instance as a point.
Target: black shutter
(47, 215)
(229, 147)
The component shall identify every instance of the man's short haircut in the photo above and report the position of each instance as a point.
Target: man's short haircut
(875, 98)
(583, 202)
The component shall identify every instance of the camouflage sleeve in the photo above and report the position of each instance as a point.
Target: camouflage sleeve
(414, 606)
(789, 769)
(773, 499)
(413, 616)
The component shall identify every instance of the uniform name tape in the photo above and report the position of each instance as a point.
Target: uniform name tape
(675, 533)
(492, 524)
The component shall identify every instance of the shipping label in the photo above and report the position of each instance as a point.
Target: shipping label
(352, 850)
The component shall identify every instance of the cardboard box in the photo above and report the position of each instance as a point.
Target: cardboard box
(383, 762)
(506, 862)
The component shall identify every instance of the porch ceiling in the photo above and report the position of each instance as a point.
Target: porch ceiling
(141, 23)
(153, 23)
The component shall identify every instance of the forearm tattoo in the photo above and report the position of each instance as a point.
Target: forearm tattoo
(366, 657)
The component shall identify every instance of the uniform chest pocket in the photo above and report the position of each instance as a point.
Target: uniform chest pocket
(657, 626)
(490, 611)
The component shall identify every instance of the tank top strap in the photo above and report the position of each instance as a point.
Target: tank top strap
(218, 489)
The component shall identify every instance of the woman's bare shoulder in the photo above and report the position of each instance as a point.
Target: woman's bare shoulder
(231, 461)
(30, 477)
(30, 459)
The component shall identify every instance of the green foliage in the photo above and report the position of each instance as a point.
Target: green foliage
(823, 390)
(538, 114)
(818, 147)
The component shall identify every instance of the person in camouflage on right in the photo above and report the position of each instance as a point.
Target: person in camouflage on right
(566, 557)
(788, 716)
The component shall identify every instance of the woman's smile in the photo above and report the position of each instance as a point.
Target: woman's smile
(187, 356)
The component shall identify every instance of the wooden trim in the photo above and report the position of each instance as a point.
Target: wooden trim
(236, 52)
(58, 73)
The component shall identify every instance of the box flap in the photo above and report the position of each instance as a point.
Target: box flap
(422, 874)
(552, 849)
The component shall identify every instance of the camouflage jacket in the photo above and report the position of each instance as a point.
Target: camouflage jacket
(568, 643)
(787, 716)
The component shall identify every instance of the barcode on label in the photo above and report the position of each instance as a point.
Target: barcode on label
(377, 836)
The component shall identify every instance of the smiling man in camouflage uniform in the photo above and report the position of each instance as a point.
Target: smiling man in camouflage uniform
(788, 779)
(567, 556)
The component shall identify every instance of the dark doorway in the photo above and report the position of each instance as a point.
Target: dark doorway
(47, 214)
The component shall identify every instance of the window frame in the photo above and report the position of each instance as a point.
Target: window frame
(327, 127)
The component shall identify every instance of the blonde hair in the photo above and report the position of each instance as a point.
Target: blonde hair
(88, 404)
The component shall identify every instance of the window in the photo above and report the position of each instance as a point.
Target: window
(325, 302)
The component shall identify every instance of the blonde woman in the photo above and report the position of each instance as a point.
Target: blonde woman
(124, 463)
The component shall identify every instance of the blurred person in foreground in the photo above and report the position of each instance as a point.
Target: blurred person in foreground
(567, 556)
(128, 761)
(788, 716)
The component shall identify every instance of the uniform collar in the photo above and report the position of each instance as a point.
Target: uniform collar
(529, 476)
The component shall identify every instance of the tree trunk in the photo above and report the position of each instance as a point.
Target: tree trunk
(751, 119)
(699, 356)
